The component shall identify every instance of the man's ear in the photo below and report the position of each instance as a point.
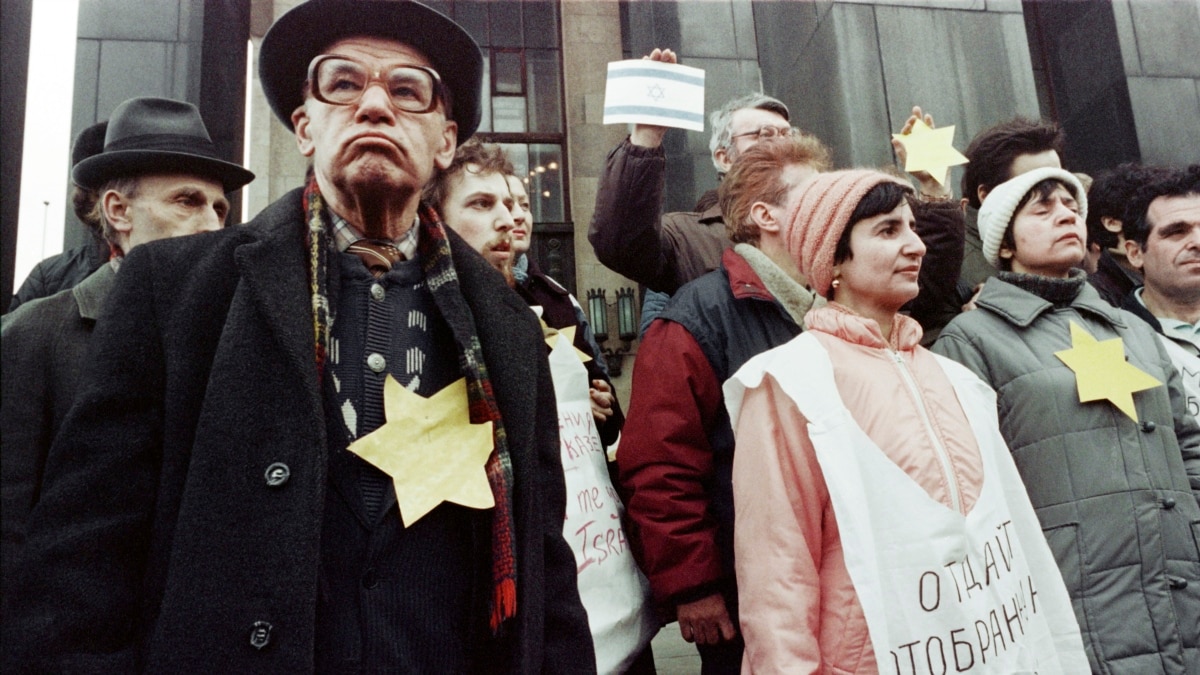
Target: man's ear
(303, 139)
(721, 155)
(116, 211)
(1111, 224)
(1005, 252)
(982, 193)
(1133, 253)
(444, 154)
(763, 215)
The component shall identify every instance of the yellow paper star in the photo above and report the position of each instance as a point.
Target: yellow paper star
(553, 335)
(1101, 371)
(430, 449)
(930, 150)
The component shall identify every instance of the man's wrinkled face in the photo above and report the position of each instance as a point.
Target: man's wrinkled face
(479, 208)
(166, 205)
(371, 146)
(1170, 261)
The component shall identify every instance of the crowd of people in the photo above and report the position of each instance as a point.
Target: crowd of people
(871, 428)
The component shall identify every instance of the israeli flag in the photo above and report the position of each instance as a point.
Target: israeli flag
(651, 92)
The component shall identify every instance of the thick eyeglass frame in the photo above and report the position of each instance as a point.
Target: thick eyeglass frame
(376, 76)
(774, 132)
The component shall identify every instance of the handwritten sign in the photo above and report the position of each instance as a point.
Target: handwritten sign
(651, 92)
(613, 589)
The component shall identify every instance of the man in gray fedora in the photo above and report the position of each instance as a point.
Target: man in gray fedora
(288, 477)
(142, 190)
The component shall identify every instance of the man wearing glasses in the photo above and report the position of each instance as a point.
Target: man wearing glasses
(223, 508)
(626, 232)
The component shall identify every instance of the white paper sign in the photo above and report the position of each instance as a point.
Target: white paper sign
(651, 92)
(614, 591)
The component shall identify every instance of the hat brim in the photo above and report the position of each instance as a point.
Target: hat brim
(94, 171)
(302, 34)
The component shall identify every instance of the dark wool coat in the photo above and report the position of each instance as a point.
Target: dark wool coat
(43, 348)
(162, 543)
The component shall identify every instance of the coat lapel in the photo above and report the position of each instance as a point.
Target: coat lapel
(274, 271)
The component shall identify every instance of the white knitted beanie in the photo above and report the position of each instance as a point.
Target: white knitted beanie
(998, 208)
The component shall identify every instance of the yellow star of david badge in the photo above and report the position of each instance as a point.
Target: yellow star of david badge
(553, 335)
(930, 150)
(1101, 371)
(430, 449)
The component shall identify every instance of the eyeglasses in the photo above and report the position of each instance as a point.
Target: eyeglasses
(763, 133)
(341, 80)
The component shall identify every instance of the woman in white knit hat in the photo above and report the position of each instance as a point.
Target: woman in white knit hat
(1094, 413)
(871, 478)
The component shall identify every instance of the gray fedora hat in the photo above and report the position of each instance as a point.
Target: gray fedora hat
(89, 142)
(157, 135)
(302, 34)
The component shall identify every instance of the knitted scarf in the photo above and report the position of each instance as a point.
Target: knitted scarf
(434, 250)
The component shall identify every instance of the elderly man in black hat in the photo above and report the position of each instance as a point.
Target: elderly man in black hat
(140, 191)
(336, 450)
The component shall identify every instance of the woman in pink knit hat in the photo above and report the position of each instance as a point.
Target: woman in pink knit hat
(880, 522)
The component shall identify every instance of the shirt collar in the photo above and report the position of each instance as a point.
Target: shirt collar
(345, 234)
(1173, 327)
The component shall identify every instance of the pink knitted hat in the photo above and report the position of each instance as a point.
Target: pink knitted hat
(817, 220)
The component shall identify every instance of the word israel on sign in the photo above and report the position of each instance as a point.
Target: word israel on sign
(650, 92)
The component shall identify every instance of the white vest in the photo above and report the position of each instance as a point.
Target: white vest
(940, 592)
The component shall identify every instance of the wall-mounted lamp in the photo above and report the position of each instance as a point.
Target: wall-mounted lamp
(626, 324)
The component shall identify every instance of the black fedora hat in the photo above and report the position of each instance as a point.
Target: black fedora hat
(157, 135)
(301, 35)
(89, 142)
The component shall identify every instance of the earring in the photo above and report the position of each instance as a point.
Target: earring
(835, 283)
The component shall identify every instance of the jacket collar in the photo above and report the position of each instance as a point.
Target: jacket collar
(712, 215)
(1022, 308)
(743, 281)
(90, 293)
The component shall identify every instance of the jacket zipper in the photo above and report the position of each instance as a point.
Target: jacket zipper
(943, 456)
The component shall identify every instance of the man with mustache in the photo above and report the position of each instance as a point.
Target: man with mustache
(481, 198)
(220, 512)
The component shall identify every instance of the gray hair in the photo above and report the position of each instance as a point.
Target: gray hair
(719, 120)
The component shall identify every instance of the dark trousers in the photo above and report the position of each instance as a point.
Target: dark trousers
(723, 658)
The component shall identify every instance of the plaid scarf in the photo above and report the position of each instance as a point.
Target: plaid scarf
(434, 250)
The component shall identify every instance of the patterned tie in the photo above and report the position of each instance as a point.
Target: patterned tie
(378, 256)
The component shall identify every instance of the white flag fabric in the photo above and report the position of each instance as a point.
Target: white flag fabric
(651, 92)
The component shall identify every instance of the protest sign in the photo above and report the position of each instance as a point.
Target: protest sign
(613, 589)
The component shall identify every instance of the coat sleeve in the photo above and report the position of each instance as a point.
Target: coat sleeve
(77, 601)
(665, 462)
(625, 232)
(781, 502)
(954, 344)
(942, 228)
(26, 420)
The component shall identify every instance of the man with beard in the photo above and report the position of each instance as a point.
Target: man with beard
(480, 197)
(251, 492)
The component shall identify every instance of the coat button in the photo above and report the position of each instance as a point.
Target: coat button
(260, 634)
(370, 579)
(1148, 426)
(1176, 583)
(376, 363)
(377, 292)
(277, 474)
(1168, 503)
